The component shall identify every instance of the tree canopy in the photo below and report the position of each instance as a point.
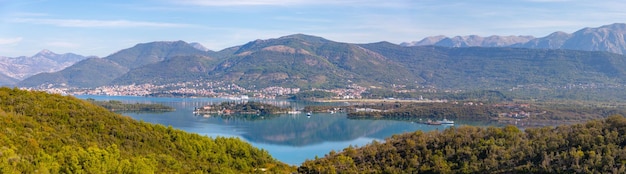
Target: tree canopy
(593, 147)
(49, 133)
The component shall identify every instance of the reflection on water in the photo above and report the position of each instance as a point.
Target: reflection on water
(300, 130)
(291, 138)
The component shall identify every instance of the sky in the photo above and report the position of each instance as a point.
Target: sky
(100, 28)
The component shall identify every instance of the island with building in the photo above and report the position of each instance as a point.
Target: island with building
(244, 107)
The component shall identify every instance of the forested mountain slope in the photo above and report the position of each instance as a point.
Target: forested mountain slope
(46, 133)
(307, 62)
(488, 68)
(96, 72)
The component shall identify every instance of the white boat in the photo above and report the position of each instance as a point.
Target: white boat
(308, 114)
(446, 121)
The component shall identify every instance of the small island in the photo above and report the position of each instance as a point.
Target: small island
(117, 106)
(251, 107)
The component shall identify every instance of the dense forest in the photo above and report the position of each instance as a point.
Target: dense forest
(597, 146)
(49, 133)
(114, 105)
(479, 111)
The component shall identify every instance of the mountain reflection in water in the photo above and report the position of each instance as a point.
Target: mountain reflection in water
(291, 138)
(300, 130)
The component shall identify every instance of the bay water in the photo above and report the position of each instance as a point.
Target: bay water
(290, 138)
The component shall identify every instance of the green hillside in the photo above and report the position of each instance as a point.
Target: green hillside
(593, 147)
(44, 133)
(97, 72)
(148, 53)
(307, 62)
(87, 73)
(271, 68)
(173, 70)
(489, 68)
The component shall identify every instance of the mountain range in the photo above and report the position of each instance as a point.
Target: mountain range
(307, 62)
(95, 72)
(14, 69)
(604, 38)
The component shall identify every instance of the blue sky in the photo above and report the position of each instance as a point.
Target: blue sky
(100, 28)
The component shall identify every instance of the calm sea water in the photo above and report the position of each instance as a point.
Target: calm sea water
(291, 138)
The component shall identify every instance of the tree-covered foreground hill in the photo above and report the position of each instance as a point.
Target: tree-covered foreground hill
(594, 147)
(46, 133)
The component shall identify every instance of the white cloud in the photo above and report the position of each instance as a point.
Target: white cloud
(6, 41)
(96, 23)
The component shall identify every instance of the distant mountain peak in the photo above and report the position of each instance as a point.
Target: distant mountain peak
(470, 40)
(615, 26)
(161, 43)
(426, 41)
(298, 42)
(45, 52)
(305, 37)
(610, 38)
(558, 33)
(198, 46)
(44, 61)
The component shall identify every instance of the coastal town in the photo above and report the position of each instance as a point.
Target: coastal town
(196, 89)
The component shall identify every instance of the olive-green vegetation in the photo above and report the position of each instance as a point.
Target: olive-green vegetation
(248, 107)
(172, 70)
(306, 62)
(332, 108)
(479, 111)
(114, 105)
(489, 68)
(529, 93)
(49, 133)
(596, 146)
(614, 94)
(412, 111)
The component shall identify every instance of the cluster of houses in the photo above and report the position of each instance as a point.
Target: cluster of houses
(516, 110)
(210, 110)
(520, 114)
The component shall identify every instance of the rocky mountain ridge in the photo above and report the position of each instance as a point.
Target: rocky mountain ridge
(610, 38)
(20, 68)
(307, 62)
